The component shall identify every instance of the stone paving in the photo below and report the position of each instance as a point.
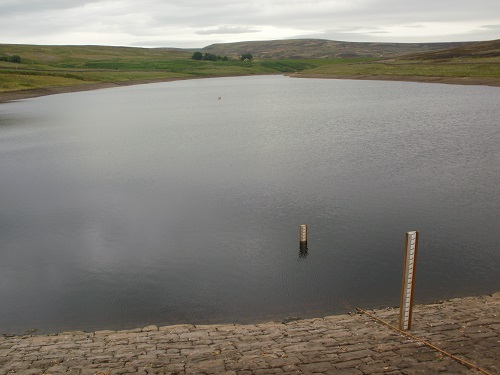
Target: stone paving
(343, 344)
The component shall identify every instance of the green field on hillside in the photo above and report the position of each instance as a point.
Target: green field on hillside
(418, 69)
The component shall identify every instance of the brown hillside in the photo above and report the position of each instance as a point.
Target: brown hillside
(321, 48)
(476, 49)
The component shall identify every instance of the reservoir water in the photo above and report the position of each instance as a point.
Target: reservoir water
(163, 203)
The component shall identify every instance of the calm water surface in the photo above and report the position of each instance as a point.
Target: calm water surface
(162, 204)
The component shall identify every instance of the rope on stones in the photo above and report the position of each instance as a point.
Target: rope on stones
(460, 360)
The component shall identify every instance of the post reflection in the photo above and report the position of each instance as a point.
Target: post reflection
(303, 250)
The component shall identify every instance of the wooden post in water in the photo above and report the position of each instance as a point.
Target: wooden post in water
(303, 234)
(303, 241)
(406, 304)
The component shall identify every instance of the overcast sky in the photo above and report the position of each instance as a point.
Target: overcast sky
(198, 23)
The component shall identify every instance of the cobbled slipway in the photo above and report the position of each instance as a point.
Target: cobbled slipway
(344, 344)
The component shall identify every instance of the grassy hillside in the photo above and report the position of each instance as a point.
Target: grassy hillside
(322, 49)
(43, 66)
(472, 51)
(54, 66)
(474, 60)
(73, 56)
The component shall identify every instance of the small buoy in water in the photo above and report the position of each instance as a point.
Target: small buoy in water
(219, 98)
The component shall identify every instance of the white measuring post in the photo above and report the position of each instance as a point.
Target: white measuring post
(303, 241)
(406, 304)
(303, 233)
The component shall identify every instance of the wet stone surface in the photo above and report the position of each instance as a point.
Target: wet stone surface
(345, 344)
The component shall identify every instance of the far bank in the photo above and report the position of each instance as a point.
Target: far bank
(51, 90)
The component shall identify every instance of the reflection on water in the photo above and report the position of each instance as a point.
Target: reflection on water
(160, 204)
(303, 250)
(5, 121)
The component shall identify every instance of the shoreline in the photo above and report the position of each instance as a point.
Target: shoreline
(478, 81)
(9, 96)
(269, 320)
(466, 328)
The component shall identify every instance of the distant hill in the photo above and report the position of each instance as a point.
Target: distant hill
(470, 50)
(322, 48)
(71, 56)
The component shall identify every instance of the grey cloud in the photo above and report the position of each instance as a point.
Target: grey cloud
(15, 7)
(153, 43)
(427, 10)
(492, 27)
(228, 30)
(208, 16)
(168, 43)
(188, 22)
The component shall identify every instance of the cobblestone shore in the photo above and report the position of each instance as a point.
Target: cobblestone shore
(344, 344)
